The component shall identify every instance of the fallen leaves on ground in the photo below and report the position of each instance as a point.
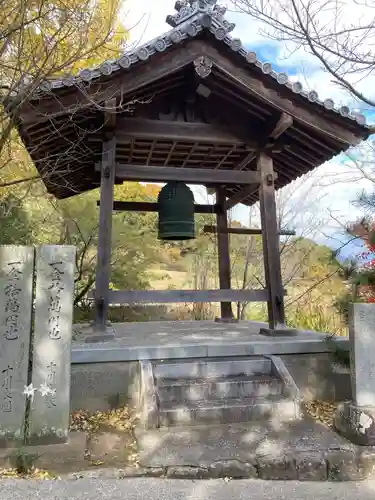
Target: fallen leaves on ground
(323, 411)
(121, 419)
(33, 474)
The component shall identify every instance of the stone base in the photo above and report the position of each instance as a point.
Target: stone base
(47, 439)
(356, 423)
(99, 334)
(278, 332)
(49, 456)
(226, 320)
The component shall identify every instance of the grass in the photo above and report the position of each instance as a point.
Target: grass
(316, 317)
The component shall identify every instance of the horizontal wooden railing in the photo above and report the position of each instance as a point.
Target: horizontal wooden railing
(183, 296)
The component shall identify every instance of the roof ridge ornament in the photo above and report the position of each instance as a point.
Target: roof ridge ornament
(206, 12)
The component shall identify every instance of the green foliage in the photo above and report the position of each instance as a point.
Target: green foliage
(315, 316)
(15, 226)
(23, 461)
(339, 355)
(75, 221)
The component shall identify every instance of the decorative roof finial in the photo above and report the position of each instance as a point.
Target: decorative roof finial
(204, 12)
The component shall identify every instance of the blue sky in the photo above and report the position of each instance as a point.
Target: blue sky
(333, 183)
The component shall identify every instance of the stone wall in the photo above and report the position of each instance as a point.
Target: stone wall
(102, 386)
(317, 377)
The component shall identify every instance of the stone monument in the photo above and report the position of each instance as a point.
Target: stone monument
(356, 419)
(50, 384)
(16, 284)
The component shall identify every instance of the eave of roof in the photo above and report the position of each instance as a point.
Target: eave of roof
(191, 19)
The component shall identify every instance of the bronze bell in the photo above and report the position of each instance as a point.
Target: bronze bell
(176, 212)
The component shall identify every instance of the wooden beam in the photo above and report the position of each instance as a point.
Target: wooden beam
(270, 236)
(144, 128)
(183, 296)
(239, 196)
(246, 161)
(105, 227)
(145, 206)
(284, 122)
(189, 175)
(223, 253)
(244, 230)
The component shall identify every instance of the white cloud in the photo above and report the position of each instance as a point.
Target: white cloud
(146, 18)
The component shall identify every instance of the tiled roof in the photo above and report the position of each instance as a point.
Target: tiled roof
(190, 19)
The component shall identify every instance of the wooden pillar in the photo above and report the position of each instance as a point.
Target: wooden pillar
(103, 265)
(270, 237)
(223, 253)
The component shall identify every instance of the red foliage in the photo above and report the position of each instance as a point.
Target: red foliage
(366, 232)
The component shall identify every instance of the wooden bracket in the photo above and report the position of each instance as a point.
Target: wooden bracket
(110, 118)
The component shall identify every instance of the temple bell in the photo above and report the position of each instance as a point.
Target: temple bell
(176, 212)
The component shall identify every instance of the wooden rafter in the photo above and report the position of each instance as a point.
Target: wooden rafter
(246, 161)
(240, 196)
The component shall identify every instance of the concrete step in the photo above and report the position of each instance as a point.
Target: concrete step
(213, 369)
(216, 388)
(227, 411)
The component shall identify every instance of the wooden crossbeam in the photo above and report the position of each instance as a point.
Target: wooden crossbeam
(183, 296)
(245, 230)
(145, 206)
(144, 128)
(189, 175)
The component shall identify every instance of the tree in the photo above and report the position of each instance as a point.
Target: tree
(40, 40)
(74, 221)
(339, 34)
(361, 273)
(15, 225)
(298, 208)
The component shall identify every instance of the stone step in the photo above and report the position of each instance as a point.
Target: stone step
(217, 388)
(227, 411)
(213, 369)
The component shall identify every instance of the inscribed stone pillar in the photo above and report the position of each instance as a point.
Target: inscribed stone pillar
(50, 411)
(16, 283)
(356, 419)
(362, 351)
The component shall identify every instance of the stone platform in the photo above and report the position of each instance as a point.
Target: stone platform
(192, 339)
(103, 373)
(303, 450)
